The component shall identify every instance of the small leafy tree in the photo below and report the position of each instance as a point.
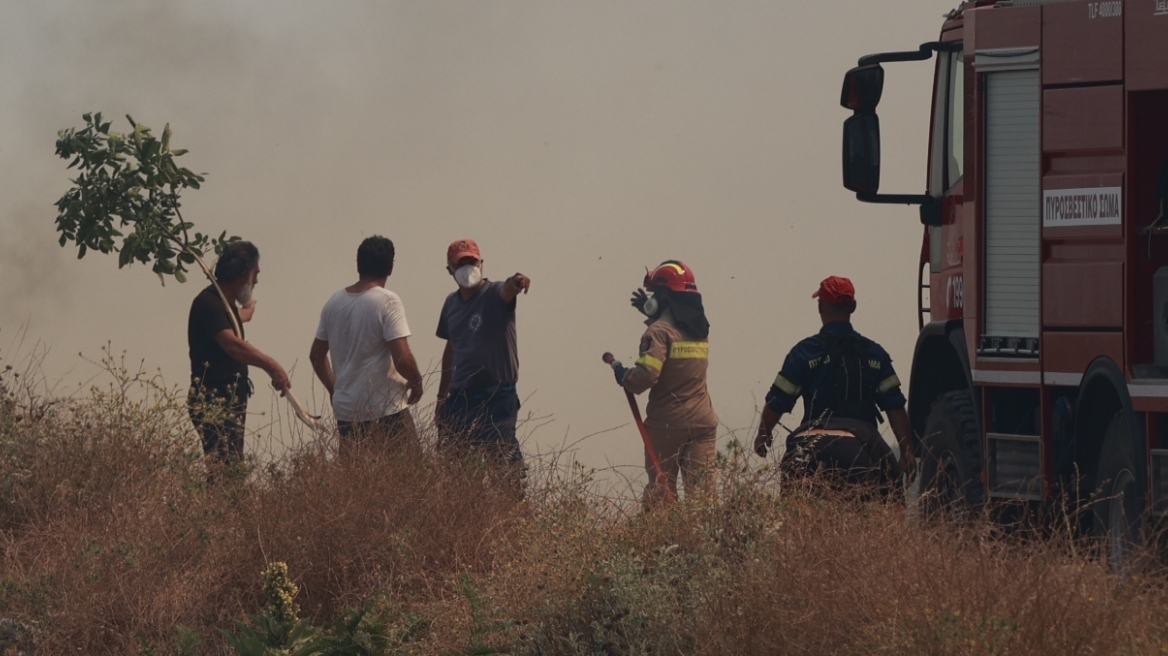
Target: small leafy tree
(131, 182)
(125, 200)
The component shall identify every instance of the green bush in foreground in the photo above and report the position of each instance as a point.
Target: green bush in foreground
(278, 631)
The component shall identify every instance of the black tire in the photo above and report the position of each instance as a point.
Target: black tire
(1121, 486)
(951, 460)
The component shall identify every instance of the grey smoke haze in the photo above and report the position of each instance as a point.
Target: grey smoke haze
(578, 142)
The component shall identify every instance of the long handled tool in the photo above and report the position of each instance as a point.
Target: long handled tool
(297, 407)
(662, 482)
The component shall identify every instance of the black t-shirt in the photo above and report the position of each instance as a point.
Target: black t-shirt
(209, 362)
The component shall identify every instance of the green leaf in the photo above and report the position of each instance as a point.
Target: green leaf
(126, 195)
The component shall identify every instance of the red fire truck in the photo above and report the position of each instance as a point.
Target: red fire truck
(1041, 369)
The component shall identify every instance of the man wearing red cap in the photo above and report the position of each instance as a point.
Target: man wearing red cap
(845, 380)
(477, 403)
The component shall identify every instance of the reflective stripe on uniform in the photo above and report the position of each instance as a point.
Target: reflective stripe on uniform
(650, 361)
(690, 350)
(888, 383)
(786, 386)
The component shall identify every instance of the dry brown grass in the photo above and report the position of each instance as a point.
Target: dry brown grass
(110, 534)
(110, 538)
(814, 573)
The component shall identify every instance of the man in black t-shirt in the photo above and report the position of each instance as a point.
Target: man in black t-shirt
(217, 402)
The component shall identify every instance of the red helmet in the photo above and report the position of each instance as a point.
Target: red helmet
(673, 275)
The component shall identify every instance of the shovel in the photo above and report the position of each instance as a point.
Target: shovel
(662, 482)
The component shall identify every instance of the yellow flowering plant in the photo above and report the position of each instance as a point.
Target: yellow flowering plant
(277, 631)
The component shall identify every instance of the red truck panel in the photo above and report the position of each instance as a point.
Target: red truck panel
(991, 27)
(1082, 42)
(1082, 295)
(1073, 352)
(1146, 45)
(1082, 118)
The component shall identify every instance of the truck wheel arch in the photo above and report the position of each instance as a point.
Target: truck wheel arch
(940, 365)
(1102, 393)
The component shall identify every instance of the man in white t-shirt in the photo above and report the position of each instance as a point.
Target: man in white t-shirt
(371, 375)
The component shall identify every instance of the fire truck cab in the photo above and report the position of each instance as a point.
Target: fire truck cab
(1041, 368)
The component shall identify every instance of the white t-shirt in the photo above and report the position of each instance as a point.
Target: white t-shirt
(358, 329)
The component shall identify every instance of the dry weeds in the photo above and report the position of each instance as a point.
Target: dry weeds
(112, 542)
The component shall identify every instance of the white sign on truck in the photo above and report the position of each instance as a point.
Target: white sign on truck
(1082, 207)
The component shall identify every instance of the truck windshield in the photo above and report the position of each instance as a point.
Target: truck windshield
(956, 118)
(948, 149)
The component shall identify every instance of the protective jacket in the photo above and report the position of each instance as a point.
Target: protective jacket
(838, 373)
(672, 365)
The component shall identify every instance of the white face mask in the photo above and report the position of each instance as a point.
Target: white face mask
(244, 295)
(468, 276)
(651, 306)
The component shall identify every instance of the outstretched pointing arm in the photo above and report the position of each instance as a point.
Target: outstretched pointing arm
(513, 285)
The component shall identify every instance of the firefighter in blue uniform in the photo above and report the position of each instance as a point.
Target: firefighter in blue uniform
(845, 380)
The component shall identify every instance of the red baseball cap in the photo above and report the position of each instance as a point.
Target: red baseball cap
(835, 290)
(460, 248)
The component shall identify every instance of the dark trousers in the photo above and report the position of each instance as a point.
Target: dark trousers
(863, 458)
(390, 434)
(218, 412)
(482, 420)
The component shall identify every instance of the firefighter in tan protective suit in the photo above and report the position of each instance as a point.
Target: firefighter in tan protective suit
(674, 354)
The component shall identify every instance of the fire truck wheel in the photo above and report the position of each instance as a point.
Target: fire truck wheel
(951, 455)
(1119, 502)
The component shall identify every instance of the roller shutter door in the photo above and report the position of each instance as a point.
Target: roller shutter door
(1012, 223)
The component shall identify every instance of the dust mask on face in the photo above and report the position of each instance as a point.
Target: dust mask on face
(468, 276)
(651, 307)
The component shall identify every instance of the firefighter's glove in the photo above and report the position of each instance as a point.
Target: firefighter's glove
(619, 370)
(639, 299)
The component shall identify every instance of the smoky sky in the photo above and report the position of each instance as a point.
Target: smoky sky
(577, 142)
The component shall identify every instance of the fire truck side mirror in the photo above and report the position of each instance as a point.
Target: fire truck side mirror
(863, 86)
(931, 214)
(862, 153)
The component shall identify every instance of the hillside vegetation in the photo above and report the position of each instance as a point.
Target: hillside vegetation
(113, 542)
